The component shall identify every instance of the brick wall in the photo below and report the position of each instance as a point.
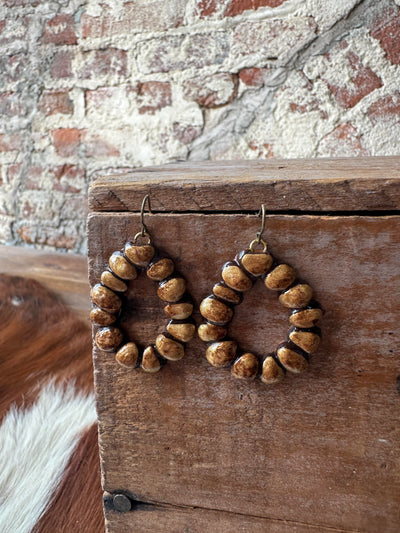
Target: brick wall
(92, 86)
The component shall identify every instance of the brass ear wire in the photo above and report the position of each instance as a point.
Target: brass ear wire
(144, 232)
(259, 240)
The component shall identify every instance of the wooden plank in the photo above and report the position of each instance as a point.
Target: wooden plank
(353, 184)
(321, 449)
(64, 274)
(165, 518)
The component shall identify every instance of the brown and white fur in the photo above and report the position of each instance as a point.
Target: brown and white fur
(49, 467)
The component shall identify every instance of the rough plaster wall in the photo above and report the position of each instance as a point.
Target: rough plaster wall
(99, 85)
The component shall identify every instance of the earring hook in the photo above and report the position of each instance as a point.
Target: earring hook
(144, 232)
(259, 239)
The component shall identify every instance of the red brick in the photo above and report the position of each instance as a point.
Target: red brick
(264, 150)
(388, 34)
(207, 8)
(153, 95)
(98, 63)
(253, 77)
(60, 30)
(13, 173)
(13, 30)
(186, 134)
(66, 141)
(343, 141)
(212, 91)
(14, 66)
(53, 102)
(180, 52)
(236, 7)
(364, 81)
(10, 142)
(61, 65)
(31, 234)
(134, 17)
(11, 105)
(69, 178)
(96, 146)
(32, 177)
(387, 107)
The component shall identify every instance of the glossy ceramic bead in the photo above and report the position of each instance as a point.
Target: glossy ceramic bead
(102, 318)
(169, 348)
(245, 367)
(139, 255)
(256, 263)
(297, 296)
(306, 340)
(128, 355)
(235, 278)
(221, 353)
(179, 311)
(227, 294)
(105, 299)
(280, 278)
(108, 338)
(113, 283)
(183, 332)
(272, 372)
(160, 269)
(150, 362)
(306, 318)
(291, 359)
(210, 332)
(172, 290)
(215, 311)
(121, 267)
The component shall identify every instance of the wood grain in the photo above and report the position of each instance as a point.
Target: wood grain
(353, 184)
(321, 449)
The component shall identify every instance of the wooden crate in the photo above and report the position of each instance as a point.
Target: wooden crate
(198, 451)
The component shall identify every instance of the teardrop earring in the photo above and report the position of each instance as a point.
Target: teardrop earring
(238, 276)
(124, 266)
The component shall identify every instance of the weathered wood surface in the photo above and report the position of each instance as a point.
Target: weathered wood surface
(64, 274)
(352, 184)
(321, 450)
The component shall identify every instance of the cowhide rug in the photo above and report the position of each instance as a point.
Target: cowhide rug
(49, 466)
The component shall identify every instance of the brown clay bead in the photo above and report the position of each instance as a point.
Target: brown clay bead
(280, 278)
(297, 296)
(101, 318)
(291, 360)
(235, 278)
(150, 362)
(169, 348)
(172, 290)
(271, 371)
(246, 367)
(227, 294)
(113, 283)
(215, 311)
(179, 311)
(184, 332)
(221, 353)
(121, 267)
(306, 340)
(160, 269)
(108, 338)
(211, 332)
(306, 318)
(139, 255)
(105, 299)
(257, 263)
(128, 355)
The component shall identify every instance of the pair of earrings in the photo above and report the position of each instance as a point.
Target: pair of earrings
(238, 276)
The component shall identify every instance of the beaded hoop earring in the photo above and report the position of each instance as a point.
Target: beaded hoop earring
(107, 299)
(239, 276)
